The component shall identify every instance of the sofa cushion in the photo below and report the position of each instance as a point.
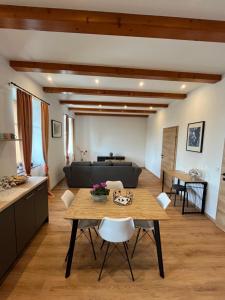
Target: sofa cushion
(122, 163)
(102, 163)
(81, 163)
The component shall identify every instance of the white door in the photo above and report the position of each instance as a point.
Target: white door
(220, 215)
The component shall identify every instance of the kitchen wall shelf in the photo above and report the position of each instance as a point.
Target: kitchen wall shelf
(10, 140)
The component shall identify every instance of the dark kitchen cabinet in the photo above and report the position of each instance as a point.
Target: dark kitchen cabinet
(19, 223)
(25, 220)
(41, 204)
(8, 249)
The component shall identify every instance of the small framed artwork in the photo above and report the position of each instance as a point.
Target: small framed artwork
(195, 136)
(56, 129)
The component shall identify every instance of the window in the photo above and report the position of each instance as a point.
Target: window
(37, 152)
(70, 136)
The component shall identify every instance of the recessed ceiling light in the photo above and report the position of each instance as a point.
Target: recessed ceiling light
(100, 105)
(125, 107)
(67, 93)
(49, 78)
(141, 83)
(150, 107)
(183, 86)
(97, 81)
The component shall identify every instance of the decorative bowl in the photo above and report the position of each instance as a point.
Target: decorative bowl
(99, 198)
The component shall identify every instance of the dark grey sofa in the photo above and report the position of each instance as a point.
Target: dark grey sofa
(85, 174)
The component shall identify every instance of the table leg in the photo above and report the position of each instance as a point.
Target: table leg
(159, 248)
(184, 198)
(71, 248)
(204, 198)
(163, 179)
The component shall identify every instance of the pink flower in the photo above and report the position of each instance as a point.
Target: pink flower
(96, 186)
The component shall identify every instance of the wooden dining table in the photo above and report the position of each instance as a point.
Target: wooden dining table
(144, 207)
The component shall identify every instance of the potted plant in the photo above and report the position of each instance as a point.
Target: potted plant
(99, 192)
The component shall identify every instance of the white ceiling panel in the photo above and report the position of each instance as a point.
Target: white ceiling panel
(113, 51)
(69, 96)
(66, 80)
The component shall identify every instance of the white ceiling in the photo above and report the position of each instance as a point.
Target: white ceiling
(67, 80)
(208, 9)
(113, 50)
(119, 51)
(110, 98)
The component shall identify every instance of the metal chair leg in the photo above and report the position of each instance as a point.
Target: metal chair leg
(103, 243)
(96, 232)
(92, 244)
(125, 248)
(104, 260)
(139, 230)
(175, 199)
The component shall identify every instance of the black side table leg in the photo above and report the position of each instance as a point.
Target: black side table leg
(204, 198)
(163, 179)
(184, 198)
(159, 248)
(71, 248)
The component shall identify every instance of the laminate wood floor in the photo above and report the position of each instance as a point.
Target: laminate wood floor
(194, 261)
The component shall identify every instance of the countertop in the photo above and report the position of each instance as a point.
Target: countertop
(8, 197)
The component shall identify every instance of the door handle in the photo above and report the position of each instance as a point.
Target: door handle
(31, 195)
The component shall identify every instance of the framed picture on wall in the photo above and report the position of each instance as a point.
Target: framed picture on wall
(195, 136)
(56, 129)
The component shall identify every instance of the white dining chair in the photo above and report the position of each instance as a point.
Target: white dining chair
(114, 185)
(115, 231)
(148, 225)
(68, 197)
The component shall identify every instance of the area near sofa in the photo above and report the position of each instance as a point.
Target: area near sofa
(85, 174)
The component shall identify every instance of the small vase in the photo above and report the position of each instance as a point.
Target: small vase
(99, 198)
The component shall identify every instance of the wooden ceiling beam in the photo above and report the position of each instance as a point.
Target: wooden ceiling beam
(107, 23)
(135, 111)
(120, 93)
(91, 70)
(128, 104)
(110, 115)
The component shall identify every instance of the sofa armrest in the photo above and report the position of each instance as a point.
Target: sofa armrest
(67, 172)
(137, 170)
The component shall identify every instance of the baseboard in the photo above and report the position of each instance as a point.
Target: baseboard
(152, 173)
(58, 183)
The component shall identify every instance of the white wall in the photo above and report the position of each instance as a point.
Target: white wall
(205, 104)
(7, 149)
(120, 135)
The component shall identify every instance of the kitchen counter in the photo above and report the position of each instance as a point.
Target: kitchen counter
(8, 197)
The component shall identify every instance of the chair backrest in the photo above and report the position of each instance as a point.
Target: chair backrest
(163, 200)
(116, 230)
(67, 198)
(114, 185)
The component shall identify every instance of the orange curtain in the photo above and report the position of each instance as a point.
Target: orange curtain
(45, 133)
(67, 140)
(24, 117)
(73, 120)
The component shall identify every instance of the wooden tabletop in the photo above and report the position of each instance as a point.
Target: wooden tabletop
(143, 207)
(183, 176)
